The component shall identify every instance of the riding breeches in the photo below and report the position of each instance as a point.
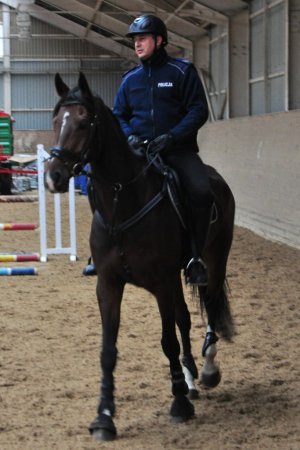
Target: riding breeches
(193, 176)
(196, 186)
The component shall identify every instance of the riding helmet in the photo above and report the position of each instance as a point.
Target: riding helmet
(148, 24)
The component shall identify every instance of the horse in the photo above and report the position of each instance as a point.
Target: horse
(137, 237)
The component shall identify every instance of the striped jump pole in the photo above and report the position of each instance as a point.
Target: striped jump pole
(19, 257)
(18, 198)
(17, 226)
(6, 271)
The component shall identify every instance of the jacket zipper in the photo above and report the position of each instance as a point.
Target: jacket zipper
(152, 97)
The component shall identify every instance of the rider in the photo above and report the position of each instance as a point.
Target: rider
(162, 101)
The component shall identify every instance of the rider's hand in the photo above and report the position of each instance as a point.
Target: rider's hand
(134, 141)
(160, 144)
(136, 144)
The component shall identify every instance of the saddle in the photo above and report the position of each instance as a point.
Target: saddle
(176, 194)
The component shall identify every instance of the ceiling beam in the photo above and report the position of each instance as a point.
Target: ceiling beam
(114, 25)
(208, 14)
(178, 30)
(77, 30)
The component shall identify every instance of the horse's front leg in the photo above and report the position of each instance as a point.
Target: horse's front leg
(181, 409)
(183, 321)
(109, 298)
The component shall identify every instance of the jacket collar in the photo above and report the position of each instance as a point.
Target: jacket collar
(158, 58)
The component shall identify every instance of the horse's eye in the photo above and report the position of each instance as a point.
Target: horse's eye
(84, 123)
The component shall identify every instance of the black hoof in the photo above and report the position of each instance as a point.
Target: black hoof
(103, 428)
(182, 409)
(193, 394)
(211, 380)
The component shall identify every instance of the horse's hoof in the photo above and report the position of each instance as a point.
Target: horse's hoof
(103, 435)
(210, 380)
(193, 394)
(182, 409)
(103, 428)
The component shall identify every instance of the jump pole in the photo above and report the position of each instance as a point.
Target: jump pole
(19, 257)
(4, 271)
(18, 198)
(17, 226)
(58, 249)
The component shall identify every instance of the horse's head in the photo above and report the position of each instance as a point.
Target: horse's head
(74, 122)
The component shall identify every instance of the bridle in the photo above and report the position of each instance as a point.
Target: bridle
(67, 156)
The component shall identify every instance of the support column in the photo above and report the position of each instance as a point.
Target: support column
(239, 64)
(6, 59)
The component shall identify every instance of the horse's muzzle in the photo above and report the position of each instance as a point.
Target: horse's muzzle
(57, 176)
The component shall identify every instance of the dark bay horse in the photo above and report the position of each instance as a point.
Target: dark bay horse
(137, 237)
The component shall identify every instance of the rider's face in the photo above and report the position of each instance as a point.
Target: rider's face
(144, 45)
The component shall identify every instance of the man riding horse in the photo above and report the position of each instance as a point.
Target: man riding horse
(162, 101)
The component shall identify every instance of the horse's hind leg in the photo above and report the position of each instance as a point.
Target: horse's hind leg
(181, 409)
(109, 298)
(183, 321)
(215, 300)
(210, 373)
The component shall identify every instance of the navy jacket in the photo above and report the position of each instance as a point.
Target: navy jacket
(162, 95)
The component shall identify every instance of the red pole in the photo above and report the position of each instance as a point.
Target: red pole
(17, 226)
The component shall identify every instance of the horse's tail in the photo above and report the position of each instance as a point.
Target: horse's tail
(218, 311)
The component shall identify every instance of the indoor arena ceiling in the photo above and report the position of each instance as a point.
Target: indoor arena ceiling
(104, 23)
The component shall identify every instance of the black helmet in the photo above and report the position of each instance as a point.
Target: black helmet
(148, 24)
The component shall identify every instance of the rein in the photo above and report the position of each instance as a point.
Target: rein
(114, 229)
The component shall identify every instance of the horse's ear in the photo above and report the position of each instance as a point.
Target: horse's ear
(61, 88)
(83, 86)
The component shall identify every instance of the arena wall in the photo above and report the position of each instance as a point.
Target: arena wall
(260, 158)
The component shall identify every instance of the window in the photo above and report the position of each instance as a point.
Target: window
(218, 71)
(268, 56)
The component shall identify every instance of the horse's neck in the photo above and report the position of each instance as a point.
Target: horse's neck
(117, 161)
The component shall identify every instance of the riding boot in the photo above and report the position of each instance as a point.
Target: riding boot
(196, 270)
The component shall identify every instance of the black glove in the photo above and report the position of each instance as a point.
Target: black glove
(160, 144)
(136, 145)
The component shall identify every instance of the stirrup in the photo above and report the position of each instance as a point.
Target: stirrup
(89, 269)
(196, 272)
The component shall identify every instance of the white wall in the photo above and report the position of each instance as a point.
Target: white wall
(260, 159)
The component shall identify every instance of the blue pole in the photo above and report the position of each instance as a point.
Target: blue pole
(18, 271)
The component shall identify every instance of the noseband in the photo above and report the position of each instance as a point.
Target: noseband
(66, 156)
